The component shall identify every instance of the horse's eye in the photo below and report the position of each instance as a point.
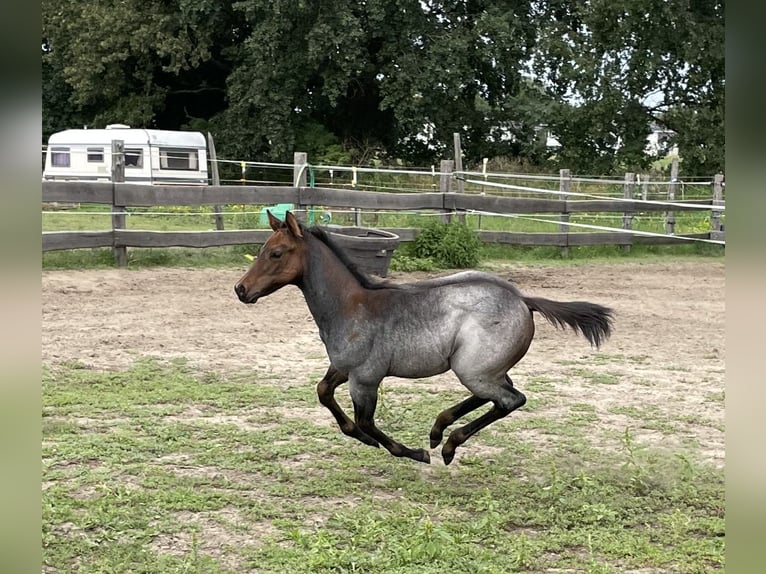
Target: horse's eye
(276, 254)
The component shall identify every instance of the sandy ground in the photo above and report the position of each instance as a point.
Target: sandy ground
(666, 356)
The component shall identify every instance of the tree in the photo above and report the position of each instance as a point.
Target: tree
(125, 61)
(392, 78)
(614, 67)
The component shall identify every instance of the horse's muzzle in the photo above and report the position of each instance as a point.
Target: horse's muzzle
(241, 292)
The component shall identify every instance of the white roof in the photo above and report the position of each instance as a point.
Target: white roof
(131, 136)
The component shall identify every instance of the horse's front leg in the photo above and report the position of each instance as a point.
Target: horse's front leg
(365, 399)
(326, 392)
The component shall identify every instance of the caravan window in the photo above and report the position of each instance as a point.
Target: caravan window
(60, 157)
(95, 155)
(134, 157)
(178, 158)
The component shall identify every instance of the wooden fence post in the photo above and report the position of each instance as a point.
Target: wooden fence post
(445, 183)
(644, 187)
(356, 210)
(120, 252)
(565, 182)
(483, 191)
(459, 168)
(670, 215)
(300, 165)
(458, 162)
(716, 229)
(216, 180)
(627, 217)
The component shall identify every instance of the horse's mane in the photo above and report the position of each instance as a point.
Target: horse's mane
(365, 280)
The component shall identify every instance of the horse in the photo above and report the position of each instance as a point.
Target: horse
(474, 323)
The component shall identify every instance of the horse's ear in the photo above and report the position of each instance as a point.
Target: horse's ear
(273, 221)
(293, 225)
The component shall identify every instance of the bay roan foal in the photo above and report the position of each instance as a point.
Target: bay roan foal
(474, 323)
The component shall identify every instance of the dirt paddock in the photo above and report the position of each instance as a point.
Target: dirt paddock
(666, 356)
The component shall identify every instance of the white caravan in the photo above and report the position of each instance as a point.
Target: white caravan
(151, 156)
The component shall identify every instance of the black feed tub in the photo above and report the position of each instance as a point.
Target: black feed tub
(370, 249)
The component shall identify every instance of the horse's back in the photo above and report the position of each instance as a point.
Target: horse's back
(463, 278)
(472, 292)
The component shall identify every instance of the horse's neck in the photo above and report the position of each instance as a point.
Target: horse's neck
(327, 285)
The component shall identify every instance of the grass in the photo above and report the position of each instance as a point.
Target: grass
(165, 218)
(162, 469)
(99, 258)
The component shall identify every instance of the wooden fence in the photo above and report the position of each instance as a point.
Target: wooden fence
(121, 196)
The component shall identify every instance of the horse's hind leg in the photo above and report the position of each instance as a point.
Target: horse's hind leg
(509, 399)
(365, 399)
(450, 415)
(326, 392)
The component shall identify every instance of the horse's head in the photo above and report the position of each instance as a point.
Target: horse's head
(280, 261)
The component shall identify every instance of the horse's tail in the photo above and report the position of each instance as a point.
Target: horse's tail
(592, 320)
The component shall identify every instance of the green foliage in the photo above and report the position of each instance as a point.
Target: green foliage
(355, 82)
(401, 261)
(628, 63)
(321, 145)
(449, 245)
(373, 74)
(247, 220)
(148, 65)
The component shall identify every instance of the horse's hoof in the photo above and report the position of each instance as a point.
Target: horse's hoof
(435, 441)
(448, 455)
(420, 455)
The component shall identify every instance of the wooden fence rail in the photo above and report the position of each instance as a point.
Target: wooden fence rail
(135, 195)
(121, 196)
(132, 195)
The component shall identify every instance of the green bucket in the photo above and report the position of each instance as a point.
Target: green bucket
(280, 210)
